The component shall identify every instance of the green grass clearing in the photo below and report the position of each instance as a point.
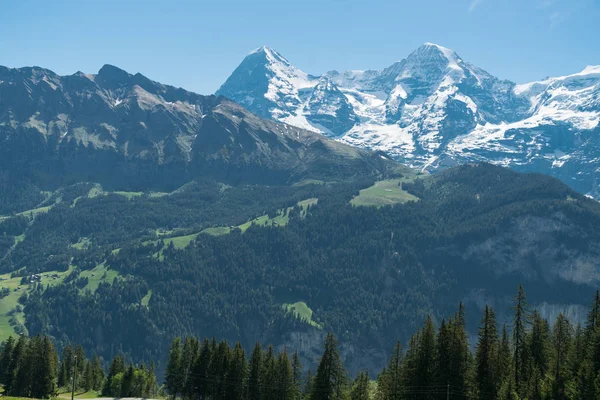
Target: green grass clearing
(101, 273)
(95, 191)
(33, 213)
(309, 182)
(303, 312)
(384, 193)
(129, 195)
(281, 219)
(146, 298)
(82, 244)
(9, 303)
(217, 231)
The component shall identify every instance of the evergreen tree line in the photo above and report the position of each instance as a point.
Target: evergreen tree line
(30, 367)
(125, 380)
(528, 359)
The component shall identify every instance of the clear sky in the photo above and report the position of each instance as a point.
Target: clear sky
(196, 44)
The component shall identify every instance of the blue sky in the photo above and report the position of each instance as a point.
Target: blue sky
(196, 44)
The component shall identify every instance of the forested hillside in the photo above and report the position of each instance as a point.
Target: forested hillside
(127, 271)
(527, 358)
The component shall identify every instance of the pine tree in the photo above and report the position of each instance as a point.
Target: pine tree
(284, 377)
(22, 373)
(308, 384)
(409, 369)
(127, 382)
(539, 343)
(117, 367)
(80, 365)
(460, 356)
(218, 369)
(151, 382)
(562, 340)
(268, 389)
(98, 374)
(189, 354)
(360, 387)
(297, 376)
(486, 356)
(330, 379)
(43, 368)
(425, 363)
(392, 381)
(66, 367)
(237, 374)
(173, 379)
(200, 373)
(520, 321)
(504, 357)
(88, 376)
(5, 359)
(445, 342)
(255, 373)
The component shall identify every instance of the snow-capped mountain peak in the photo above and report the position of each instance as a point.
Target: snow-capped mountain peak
(433, 109)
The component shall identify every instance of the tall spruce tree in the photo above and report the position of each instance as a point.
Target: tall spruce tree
(539, 343)
(219, 366)
(189, 354)
(330, 379)
(284, 377)
(88, 376)
(425, 364)
(520, 323)
(173, 377)
(268, 388)
(254, 379)
(5, 359)
(237, 374)
(297, 376)
(391, 382)
(562, 347)
(360, 387)
(201, 372)
(460, 356)
(117, 367)
(504, 357)
(487, 373)
(66, 367)
(98, 374)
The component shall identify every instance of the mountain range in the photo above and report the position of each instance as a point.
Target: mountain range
(132, 212)
(433, 110)
(125, 130)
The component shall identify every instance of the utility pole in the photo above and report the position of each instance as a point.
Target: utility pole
(448, 392)
(74, 376)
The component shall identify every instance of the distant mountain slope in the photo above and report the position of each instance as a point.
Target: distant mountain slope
(433, 110)
(369, 274)
(126, 131)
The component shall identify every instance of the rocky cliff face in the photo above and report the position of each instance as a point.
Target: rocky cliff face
(432, 110)
(125, 130)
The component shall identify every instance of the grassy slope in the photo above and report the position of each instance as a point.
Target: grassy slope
(303, 312)
(8, 304)
(146, 298)
(384, 193)
(101, 273)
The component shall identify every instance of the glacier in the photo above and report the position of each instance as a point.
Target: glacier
(432, 110)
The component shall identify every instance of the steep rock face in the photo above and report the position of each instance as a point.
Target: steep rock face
(432, 110)
(126, 130)
(268, 85)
